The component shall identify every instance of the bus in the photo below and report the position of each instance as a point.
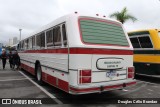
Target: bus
(146, 44)
(80, 54)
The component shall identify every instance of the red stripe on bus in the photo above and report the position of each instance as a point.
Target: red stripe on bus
(49, 79)
(47, 51)
(100, 51)
(63, 85)
(113, 87)
(83, 51)
(84, 90)
(106, 88)
(131, 83)
(28, 68)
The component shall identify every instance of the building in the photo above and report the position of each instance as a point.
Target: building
(10, 42)
(15, 40)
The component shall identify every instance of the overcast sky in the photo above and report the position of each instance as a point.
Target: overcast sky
(33, 14)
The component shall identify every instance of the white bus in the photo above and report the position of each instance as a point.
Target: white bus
(80, 54)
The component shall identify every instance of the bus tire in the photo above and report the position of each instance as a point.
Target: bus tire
(39, 74)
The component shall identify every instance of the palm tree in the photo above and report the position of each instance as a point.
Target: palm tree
(123, 16)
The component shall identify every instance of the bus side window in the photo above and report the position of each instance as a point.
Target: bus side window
(19, 48)
(26, 44)
(49, 36)
(38, 41)
(30, 43)
(53, 32)
(33, 42)
(64, 35)
(145, 42)
(135, 42)
(22, 45)
(57, 36)
(42, 40)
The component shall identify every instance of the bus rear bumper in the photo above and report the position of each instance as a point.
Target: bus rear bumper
(101, 88)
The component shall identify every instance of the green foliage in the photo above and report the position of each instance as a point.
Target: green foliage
(123, 16)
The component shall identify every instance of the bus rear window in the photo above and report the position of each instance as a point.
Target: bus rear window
(102, 32)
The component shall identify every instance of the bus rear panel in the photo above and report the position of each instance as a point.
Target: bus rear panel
(105, 62)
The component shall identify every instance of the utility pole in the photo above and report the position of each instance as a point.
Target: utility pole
(20, 35)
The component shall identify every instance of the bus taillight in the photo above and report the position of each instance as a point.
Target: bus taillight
(85, 76)
(85, 72)
(130, 72)
(85, 80)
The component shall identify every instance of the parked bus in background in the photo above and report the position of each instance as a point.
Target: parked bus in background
(80, 54)
(146, 44)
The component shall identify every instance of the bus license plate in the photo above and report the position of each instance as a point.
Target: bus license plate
(111, 74)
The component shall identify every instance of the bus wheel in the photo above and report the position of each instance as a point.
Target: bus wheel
(39, 74)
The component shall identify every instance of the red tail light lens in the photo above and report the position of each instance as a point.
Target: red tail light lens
(85, 76)
(130, 72)
(85, 72)
(130, 69)
(85, 80)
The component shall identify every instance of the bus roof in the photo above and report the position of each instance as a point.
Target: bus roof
(65, 18)
(142, 30)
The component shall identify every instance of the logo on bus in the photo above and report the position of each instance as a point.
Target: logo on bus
(111, 74)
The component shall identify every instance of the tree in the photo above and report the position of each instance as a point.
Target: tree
(123, 16)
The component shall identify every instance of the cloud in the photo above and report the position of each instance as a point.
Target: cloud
(26, 14)
(33, 14)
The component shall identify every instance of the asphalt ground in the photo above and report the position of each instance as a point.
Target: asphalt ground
(20, 84)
